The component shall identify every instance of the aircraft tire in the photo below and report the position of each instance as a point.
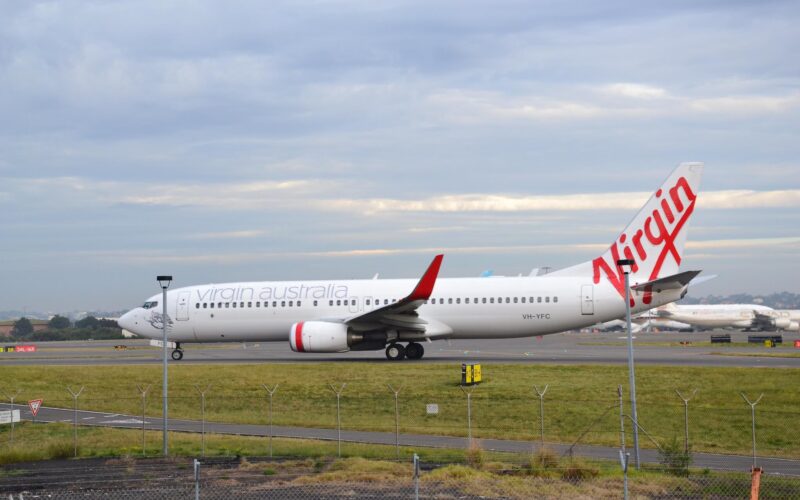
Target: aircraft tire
(177, 355)
(395, 352)
(414, 351)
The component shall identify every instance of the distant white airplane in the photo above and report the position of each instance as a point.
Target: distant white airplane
(344, 315)
(737, 316)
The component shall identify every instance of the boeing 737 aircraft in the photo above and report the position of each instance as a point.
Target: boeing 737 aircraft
(397, 315)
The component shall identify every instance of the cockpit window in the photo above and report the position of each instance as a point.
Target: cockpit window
(150, 305)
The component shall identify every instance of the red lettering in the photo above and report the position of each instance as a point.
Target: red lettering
(659, 236)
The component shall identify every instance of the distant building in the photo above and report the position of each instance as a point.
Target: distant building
(7, 325)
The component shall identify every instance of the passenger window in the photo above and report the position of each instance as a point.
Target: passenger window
(283, 303)
(508, 300)
(205, 305)
(227, 305)
(367, 302)
(298, 303)
(476, 300)
(291, 303)
(466, 301)
(274, 303)
(491, 300)
(219, 305)
(483, 300)
(555, 299)
(249, 304)
(197, 305)
(385, 301)
(515, 300)
(241, 304)
(547, 299)
(234, 305)
(458, 300)
(450, 300)
(539, 300)
(330, 303)
(315, 303)
(258, 304)
(523, 300)
(212, 305)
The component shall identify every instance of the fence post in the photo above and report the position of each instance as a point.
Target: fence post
(75, 418)
(338, 416)
(624, 459)
(270, 391)
(143, 391)
(196, 479)
(396, 419)
(416, 476)
(468, 392)
(11, 397)
(541, 409)
(686, 418)
(203, 417)
(753, 416)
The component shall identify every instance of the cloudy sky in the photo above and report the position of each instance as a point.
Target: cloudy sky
(222, 141)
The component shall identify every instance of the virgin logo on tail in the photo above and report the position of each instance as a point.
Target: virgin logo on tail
(651, 244)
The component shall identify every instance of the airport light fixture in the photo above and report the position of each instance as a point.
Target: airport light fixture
(164, 282)
(626, 265)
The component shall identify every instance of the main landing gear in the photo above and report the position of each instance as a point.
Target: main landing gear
(177, 354)
(396, 352)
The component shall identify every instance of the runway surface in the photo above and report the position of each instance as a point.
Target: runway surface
(662, 348)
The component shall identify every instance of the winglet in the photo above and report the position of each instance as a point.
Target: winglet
(424, 288)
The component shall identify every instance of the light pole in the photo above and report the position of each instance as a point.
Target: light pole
(626, 265)
(163, 282)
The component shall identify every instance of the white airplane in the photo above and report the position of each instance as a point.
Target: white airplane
(738, 316)
(344, 315)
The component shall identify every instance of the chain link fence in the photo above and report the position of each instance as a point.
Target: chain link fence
(353, 478)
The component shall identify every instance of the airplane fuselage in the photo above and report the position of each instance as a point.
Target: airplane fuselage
(458, 308)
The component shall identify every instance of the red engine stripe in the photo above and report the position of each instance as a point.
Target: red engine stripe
(298, 337)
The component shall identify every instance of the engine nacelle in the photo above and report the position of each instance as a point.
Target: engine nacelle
(794, 326)
(782, 323)
(319, 336)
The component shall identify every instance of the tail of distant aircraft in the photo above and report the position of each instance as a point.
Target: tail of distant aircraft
(654, 239)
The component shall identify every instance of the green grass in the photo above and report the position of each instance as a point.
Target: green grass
(504, 406)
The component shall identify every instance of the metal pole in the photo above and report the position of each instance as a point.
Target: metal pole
(11, 397)
(203, 417)
(143, 391)
(396, 419)
(416, 476)
(165, 443)
(753, 417)
(541, 409)
(631, 372)
(469, 411)
(75, 419)
(338, 417)
(196, 479)
(270, 391)
(621, 418)
(686, 418)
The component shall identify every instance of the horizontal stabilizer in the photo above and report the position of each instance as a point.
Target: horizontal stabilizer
(673, 282)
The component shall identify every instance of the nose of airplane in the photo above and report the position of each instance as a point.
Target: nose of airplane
(128, 321)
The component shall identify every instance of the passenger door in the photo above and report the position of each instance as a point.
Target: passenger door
(587, 300)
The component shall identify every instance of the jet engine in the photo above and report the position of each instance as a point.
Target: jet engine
(793, 326)
(783, 323)
(319, 336)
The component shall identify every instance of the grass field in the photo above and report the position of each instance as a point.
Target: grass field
(504, 406)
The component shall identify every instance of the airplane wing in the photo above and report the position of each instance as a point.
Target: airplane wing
(763, 321)
(403, 313)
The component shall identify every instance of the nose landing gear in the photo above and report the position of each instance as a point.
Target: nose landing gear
(177, 354)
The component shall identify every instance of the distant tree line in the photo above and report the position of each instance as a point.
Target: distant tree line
(61, 328)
